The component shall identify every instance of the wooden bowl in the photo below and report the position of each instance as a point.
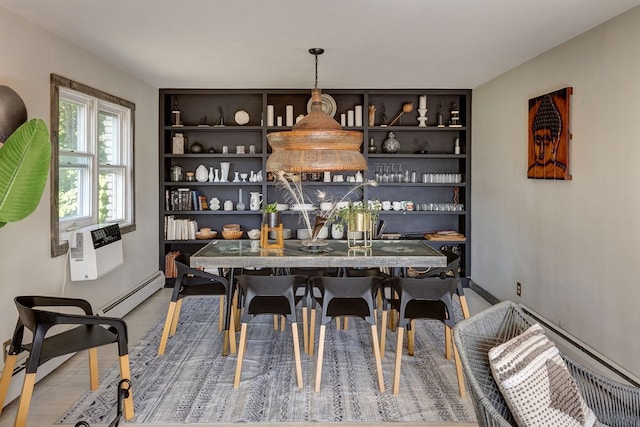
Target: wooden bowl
(231, 227)
(232, 234)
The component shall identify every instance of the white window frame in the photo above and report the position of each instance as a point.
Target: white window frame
(121, 164)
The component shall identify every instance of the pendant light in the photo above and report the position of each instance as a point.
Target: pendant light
(317, 142)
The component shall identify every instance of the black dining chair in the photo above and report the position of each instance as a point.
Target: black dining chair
(88, 332)
(344, 296)
(274, 295)
(452, 269)
(192, 282)
(421, 299)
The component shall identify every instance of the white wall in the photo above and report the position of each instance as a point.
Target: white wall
(29, 55)
(574, 245)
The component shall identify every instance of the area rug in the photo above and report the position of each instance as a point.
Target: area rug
(193, 382)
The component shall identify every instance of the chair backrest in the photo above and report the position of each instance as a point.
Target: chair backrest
(32, 318)
(425, 298)
(474, 337)
(346, 290)
(270, 294)
(187, 276)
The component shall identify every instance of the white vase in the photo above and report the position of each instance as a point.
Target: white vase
(202, 174)
(211, 175)
(224, 169)
(337, 231)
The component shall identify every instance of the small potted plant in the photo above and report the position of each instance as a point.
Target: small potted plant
(358, 216)
(271, 215)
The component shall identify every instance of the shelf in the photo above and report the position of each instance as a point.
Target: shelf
(225, 128)
(423, 149)
(212, 212)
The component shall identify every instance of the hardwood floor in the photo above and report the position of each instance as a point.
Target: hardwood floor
(60, 389)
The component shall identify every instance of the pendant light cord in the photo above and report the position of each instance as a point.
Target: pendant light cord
(315, 52)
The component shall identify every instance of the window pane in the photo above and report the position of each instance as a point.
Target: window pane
(74, 189)
(108, 138)
(111, 195)
(72, 128)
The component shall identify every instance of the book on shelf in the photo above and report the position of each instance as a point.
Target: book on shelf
(185, 199)
(170, 270)
(180, 228)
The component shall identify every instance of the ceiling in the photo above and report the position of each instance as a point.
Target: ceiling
(368, 43)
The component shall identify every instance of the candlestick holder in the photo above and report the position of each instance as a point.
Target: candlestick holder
(422, 119)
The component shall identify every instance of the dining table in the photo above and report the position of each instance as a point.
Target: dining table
(393, 255)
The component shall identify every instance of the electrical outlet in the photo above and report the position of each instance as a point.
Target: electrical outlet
(5, 349)
(519, 289)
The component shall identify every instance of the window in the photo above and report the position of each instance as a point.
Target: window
(92, 170)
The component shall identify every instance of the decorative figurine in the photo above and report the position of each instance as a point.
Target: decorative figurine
(221, 121)
(372, 115)
(455, 116)
(175, 114)
(440, 119)
(383, 115)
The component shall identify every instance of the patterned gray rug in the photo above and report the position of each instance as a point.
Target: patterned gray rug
(193, 383)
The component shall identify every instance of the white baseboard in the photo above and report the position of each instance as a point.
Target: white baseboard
(117, 308)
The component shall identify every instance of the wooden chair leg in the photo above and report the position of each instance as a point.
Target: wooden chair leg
(241, 350)
(221, 314)
(383, 333)
(447, 342)
(296, 353)
(305, 329)
(167, 328)
(396, 372)
(411, 334)
(283, 322)
(456, 357)
(376, 354)
(125, 374)
(319, 359)
(275, 322)
(338, 323)
(93, 369)
(464, 306)
(176, 316)
(232, 331)
(5, 380)
(312, 331)
(345, 323)
(25, 400)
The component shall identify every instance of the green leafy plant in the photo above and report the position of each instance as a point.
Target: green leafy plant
(346, 215)
(24, 166)
(270, 208)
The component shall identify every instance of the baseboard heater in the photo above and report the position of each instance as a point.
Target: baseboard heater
(117, 308)
(591, 353)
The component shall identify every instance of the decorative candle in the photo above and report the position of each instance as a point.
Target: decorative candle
(350, 118)
(269, 115)
(289, 115)
(358, 114)
(423, 101)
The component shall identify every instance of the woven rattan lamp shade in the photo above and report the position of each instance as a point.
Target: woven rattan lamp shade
(316, 143)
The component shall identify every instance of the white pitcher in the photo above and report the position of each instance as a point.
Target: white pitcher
(255, 201)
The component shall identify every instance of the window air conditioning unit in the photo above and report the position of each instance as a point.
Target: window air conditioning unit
(95, 251)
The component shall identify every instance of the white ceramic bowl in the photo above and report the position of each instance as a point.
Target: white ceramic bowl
(254, 234)
(282, 206)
